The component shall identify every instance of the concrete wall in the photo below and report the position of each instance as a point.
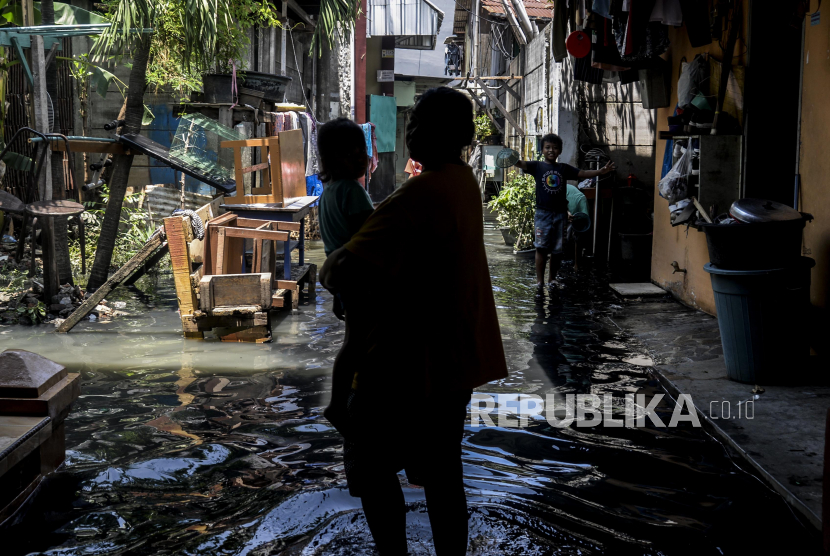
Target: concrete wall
(373, 58)
(609, 116)
(674, 244)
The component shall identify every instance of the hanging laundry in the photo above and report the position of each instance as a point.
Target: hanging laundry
(413, 168)
(602, 8)
(584, 72)
(563, 15)
(313, 187)
(312, 167)
(667, 12)
(655, 41)
(604, 53)
(371, 145)
(696, 17)
(304, 127)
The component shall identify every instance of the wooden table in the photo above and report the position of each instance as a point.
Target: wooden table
(295, 210)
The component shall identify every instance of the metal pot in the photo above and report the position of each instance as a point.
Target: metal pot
(754, 211)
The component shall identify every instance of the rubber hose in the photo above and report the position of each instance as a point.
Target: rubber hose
(195, 221)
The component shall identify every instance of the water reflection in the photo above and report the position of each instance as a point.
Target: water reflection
(205, 448)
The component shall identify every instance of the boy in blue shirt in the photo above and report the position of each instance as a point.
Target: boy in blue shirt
(552, 203)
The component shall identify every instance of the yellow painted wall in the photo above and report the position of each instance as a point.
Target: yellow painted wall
(815, 158)
(693, 288)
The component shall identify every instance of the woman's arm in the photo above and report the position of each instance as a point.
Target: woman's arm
(331, 274)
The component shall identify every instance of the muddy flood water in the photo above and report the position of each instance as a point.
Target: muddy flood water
(208, 448)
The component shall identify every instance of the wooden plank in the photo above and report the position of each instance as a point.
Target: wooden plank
(227, 219)
(257, 142)
(274, 154)
(307, 21)
(292, 165)
(256, 334)
(219, 267)
(205, 296)
(499, 77)
(120, 275)
(212, 236)
(232, 290)
(256, 260)
(256, 168)
(267, 259)
(500, 106)
(278, 298)
(148, 264)
(248, 233)
(287, 284)
(196, 276)
(236, 310)
(177, 229)
(275, 225)
(85, 146)
(252, 199)
(265, 288)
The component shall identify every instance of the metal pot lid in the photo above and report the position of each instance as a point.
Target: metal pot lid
(751, 211)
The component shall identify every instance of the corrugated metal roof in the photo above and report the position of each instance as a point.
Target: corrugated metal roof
(403, 18)
(162, 200)
(535, 9)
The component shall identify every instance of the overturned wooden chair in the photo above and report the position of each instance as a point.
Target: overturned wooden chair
(219, 290)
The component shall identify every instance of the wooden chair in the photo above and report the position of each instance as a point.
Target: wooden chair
(285, 164)
(215, 292)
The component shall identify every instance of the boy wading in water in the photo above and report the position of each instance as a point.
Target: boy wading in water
(552, 203)
(412, 365)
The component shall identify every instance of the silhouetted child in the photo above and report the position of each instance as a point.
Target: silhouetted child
(344, 207)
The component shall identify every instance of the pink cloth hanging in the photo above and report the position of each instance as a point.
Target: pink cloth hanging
(234, 90)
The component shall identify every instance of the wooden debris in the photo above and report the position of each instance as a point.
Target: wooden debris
(120, 275)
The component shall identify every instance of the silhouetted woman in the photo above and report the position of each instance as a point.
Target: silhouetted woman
(423, 333)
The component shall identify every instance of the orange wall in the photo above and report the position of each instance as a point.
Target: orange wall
(693, 288)
(814, 160)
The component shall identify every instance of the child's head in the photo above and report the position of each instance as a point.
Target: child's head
(551, 147)
(441, 125)
(342, 149)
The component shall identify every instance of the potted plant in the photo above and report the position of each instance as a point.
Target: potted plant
(486, 132)
(514, 208)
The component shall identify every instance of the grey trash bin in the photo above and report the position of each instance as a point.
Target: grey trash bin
(762, 316)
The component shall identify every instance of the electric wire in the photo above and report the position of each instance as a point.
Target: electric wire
(297, 67)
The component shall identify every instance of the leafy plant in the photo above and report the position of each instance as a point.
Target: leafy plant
(335, 16)
(135, 230)
(12, 279)
(190, 38)
(484, 127)
(36, 313)
(514, 208)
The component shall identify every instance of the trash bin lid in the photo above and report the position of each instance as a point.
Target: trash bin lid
(803, 262)
(751, 211)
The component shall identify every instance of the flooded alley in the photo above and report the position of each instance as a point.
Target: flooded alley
(209, 448)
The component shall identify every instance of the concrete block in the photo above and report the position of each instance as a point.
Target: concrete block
(27, 375)
(53, 402)
(644, 289)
